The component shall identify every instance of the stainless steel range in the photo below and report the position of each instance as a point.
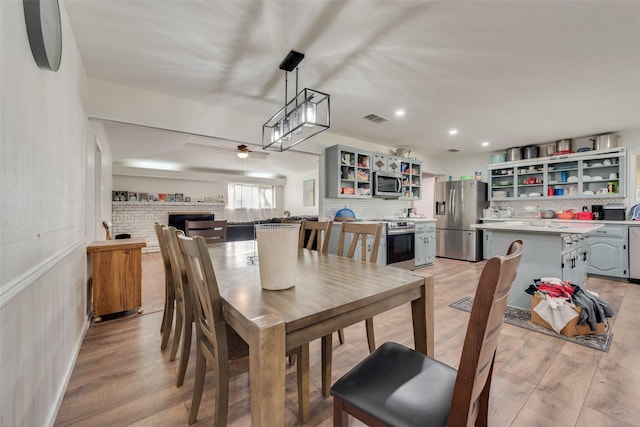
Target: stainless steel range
(400, 242)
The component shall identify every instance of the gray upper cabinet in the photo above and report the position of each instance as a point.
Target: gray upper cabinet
(348, 172)
(591, 174)
(380, 162)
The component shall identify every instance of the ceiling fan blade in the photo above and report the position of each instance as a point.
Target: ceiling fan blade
(225, 150)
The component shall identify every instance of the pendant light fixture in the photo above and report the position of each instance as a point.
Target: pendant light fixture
(302, 117)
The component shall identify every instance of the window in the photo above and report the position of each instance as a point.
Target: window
(252, 196)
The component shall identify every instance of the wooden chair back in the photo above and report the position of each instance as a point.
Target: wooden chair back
(471, 392)
(360, 232)
(212, 231)
(169, 287)
(210, 323)
(184, 302)
(320, 234)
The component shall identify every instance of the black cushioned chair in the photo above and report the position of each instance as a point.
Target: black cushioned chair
(397, 386)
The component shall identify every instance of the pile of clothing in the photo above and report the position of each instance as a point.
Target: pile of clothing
(559, 298)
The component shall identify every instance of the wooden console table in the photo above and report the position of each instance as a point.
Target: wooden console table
(117, 275)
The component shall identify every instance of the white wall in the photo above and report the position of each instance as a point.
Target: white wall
(43, 159)
(293, 201)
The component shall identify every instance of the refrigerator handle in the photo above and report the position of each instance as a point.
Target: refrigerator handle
(398, 185)
(452, 205)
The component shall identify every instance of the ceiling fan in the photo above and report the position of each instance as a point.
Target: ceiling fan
(243, 151)
(222, 147)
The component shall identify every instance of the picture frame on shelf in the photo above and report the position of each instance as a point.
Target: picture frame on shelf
(171, 198)
(187, 199)
(143, 197)
(162, 197)
(133, 196)
(179, 197)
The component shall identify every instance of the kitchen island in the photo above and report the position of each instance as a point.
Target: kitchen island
(551, 249)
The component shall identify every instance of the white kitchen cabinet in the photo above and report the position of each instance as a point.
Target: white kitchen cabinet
(592, 174)
(425, 243)
(609, 251)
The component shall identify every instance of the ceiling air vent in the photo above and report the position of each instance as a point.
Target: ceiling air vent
(375, 118)
(453, 150)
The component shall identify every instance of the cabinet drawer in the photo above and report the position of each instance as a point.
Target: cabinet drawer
(611, 231)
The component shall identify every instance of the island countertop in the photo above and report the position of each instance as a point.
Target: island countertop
(541, 226)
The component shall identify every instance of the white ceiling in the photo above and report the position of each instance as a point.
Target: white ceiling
(509, 72)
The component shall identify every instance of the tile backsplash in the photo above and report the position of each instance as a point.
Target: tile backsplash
(557, 204)
(367, 208)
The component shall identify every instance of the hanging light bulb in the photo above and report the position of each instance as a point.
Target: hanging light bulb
(286, 129)
(310, 109)
(276, 133)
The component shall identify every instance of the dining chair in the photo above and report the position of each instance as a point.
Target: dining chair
(212, 231)
(401, 387)
(184, 303)
(320, 232)
(368, 253)
(169, 288)
(219, 344)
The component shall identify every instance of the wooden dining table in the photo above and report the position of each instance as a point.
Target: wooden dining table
(330, 293)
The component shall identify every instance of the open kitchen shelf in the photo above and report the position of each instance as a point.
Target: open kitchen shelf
(590, 174)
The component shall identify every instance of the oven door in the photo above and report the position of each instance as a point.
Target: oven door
(401, 249)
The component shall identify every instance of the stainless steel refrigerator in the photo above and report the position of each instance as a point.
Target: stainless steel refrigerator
(458, 205)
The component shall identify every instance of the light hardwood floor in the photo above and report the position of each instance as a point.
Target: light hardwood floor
(122, 378)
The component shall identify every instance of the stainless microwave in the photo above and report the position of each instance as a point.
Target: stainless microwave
(387, 185)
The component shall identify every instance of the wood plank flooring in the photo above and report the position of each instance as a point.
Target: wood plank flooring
(122, 378)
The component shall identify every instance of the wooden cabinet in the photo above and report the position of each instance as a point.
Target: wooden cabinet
(117, 275)
(348, 172)
(593, 174)
(425, 243)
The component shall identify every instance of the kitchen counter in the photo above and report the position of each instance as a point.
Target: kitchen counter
(600, 221)
(552, 249)
(543, 226)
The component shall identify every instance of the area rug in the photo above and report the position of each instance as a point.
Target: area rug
(522, 318)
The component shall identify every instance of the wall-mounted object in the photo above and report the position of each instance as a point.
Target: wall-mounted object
(42, 19)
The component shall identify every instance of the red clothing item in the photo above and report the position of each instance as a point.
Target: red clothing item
(557, 290)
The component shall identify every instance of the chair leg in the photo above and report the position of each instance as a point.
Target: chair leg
(186, 347)
(371, 338)
(341, 336)
(222, 394)
(327, 351)
(340, 417)
(177, 334)
(302, 370)
(168, 321)
(201, 369)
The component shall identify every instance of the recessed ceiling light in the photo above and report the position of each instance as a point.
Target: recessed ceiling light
(400, 113)
(453, 131)
(485, 143)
